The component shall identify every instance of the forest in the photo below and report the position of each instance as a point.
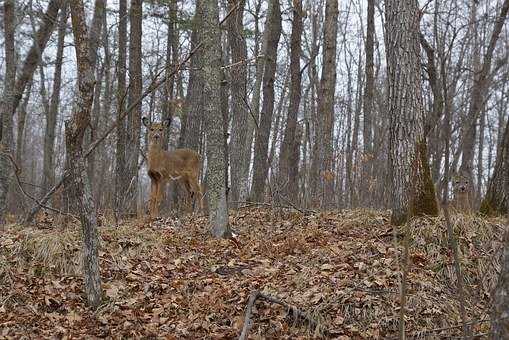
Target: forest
(248, 169)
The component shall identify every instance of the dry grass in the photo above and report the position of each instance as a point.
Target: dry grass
(340, 267)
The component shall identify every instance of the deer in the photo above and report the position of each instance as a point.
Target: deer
(164, 166)
(461, 189)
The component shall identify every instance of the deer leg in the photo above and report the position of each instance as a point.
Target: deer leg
(158, 197)
(197, 194)
(151, 202)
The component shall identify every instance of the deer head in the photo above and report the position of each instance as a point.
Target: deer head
(460, 184)
(156, 131)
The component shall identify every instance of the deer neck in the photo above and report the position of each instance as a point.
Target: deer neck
(155, 151)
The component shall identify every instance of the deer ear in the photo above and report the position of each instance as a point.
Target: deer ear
(145, 121)
(167, 122)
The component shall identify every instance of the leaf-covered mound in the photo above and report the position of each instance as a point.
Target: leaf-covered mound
(172, 279)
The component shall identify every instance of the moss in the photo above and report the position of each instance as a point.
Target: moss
(423, 200)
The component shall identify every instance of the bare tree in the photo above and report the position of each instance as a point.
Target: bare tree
(291, 142)
(218, 209)
(240, 113)
(134, 118)
(322, 167)
(74, 132)
(260, 166)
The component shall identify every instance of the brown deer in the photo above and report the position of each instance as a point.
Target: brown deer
(180, 164)
(462, 191)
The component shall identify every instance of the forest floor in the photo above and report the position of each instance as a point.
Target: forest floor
(171, 279)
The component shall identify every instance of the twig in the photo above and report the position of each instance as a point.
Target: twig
(249, 311)
(17, 171)
(293, 311)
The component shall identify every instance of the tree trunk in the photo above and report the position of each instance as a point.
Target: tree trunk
(48, 172)
(120, 156)
(290, 145)
(134, 117)
(326, 92)
(238, 86)
(20, 138)
(218, 210)
(411, 186)
(500, 298)
(7, 104)
(74, 131)
(369, 89)
(194, 99)
(496, 199)
(260, 166)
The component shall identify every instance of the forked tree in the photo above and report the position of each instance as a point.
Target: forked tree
(412, 190)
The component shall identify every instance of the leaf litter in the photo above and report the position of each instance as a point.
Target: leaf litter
(170, 279)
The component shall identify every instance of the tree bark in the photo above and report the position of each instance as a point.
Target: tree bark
(369, 89)
(496, 199)
(500, 298)
(7, 104)
(411, 186)
(326, 92)
(240, 114)
(260, 166)
(289, 148)
(74, 132)
(194, 99)
(134, 118)
(218, 210)
(120, 156)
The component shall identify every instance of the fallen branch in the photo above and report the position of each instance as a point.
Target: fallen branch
(293, 312)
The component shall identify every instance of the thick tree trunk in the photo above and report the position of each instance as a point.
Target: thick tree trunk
(240, 113)
(120, 156)
(20, 138)
(411, 186)
(48, 172)
(218, 210)
(260, 166)
(326, 92)
(74, 131)
(290, 146)
(134, 118)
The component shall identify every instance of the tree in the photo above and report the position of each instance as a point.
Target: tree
(260, 166)
(290, 147)
(478, 95)
(74, 132)
(218, 210)
(14, 88)
(120, 157)
(500, 297)
(7, 103)
(411, 186)
(134, 118)
(369, 89)
(240, 114)
(48, 172)
(497, 197)
(323, 157)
